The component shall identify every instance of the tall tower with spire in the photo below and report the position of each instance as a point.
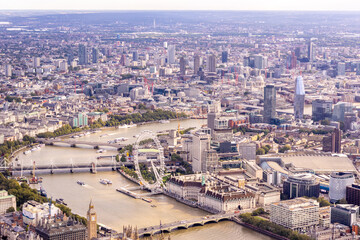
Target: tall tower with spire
(91, 222)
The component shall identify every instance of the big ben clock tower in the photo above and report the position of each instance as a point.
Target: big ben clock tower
(91, 222)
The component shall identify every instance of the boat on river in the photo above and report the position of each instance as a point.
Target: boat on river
(105, 181)
(127, 126)
(27, 152)
(80, 183)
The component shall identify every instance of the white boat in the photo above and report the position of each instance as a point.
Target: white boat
(107, 181)
(27, 152)
(101, 151)
(164, 121)
(136, 136)
(37, 148)
(102, 181)
(121, 139)
(127, 126)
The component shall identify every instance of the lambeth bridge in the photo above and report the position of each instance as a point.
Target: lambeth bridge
(185, 224)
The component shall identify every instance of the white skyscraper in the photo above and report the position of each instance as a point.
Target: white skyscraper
(200, 146)
(299, 98)
(171, 54)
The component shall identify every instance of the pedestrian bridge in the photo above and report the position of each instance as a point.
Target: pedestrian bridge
(185, 224)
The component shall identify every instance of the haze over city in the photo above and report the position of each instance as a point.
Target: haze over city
(257, 5)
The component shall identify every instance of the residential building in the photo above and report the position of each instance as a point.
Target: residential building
(332, 143)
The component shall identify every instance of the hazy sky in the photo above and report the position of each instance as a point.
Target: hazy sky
(183, 4)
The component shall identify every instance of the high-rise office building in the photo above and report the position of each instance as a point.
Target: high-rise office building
(311, 51)
(91, 222)
(260, 62)
(196, 64)
(341, 69)
(135, 56)
(299, 98)
(171, 54)
(321, 109)
(36, 61)
(269, 103)
(224, 56)
(182, 66)
(8, 70)
(123, 60)
(95, 55)
(204, 159)
(83, 55)
(211, 63)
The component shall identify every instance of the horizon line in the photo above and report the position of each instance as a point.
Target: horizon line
(188, 10)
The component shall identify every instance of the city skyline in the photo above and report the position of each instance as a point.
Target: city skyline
(258, 5)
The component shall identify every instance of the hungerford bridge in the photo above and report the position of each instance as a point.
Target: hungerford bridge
(101, 164)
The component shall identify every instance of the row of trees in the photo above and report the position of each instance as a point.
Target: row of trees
(148, 116)
(10, 146)
(66, 129)
(272, 227)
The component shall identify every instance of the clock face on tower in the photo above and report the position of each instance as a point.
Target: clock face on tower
(93, 218)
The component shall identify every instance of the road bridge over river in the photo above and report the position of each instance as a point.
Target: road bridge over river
(185, 224)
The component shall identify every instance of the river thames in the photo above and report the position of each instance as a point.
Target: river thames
(115, 209)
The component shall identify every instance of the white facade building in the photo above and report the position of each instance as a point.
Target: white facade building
(297, 214)
(338, 183)
(34, 212)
